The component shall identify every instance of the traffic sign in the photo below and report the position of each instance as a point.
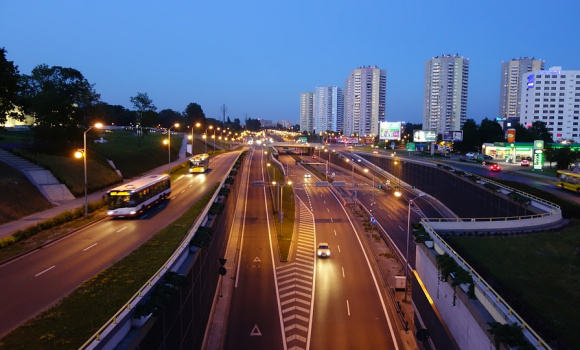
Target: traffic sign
(373, 220)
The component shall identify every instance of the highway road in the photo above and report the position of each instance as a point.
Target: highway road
(322, 303)
(254, 320)
(36, 281)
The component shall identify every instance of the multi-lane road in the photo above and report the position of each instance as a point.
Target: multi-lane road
(307, 302)
(36, 281)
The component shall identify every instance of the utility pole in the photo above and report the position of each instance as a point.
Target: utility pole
(224, 109)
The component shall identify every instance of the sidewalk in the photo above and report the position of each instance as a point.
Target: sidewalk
(31, 220)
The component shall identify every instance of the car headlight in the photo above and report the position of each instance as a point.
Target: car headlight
(319, 253)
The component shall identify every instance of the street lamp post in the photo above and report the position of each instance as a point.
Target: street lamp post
(205, 138)
(169, 147)
(83, 154)
(410, 202)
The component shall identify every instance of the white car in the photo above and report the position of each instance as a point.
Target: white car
(307, 175)
(323, 250)
(470, 155)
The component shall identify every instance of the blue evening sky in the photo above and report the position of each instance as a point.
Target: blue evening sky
(258, 56)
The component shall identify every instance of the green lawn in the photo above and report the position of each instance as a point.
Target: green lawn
(538, 274)
(16, 189)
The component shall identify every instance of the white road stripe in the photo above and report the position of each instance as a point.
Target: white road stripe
(89, 247)
(40, 273)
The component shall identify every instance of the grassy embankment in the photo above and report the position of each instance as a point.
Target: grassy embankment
(538, 274)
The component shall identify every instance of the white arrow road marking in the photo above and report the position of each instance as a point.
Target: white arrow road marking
(257, 259)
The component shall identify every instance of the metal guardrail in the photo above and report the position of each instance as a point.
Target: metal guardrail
(498, 299)
(504, 307)
(93, 341)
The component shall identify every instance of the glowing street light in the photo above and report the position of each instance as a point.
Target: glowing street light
(83, 153)
(169, 147)
(410, 202)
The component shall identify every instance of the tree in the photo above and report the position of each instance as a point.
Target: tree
(62, 102)
(115, 115)
(470, 137)
(9, 89)
(169, 117)
(253, 124)
(142, 104)
(540, 132)
(193, 114)
(490, 131)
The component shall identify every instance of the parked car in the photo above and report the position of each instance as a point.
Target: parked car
(525, 162)
(323, 250)
(495, 167)
(487, 157)
(470, 155)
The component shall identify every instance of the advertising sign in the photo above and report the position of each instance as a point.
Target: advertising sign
(538, 159)
(511, 135)
(453, 135)
(424, 136)
(390, 131)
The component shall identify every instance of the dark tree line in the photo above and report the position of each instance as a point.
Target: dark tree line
(64, 104)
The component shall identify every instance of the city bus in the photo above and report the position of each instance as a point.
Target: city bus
(199, 163)
(569, 180)
(131, 199)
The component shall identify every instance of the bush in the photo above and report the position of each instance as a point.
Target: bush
(216, 208)
(202, 236)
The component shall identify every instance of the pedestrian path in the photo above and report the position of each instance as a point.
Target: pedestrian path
(43, 179)
(47, 185)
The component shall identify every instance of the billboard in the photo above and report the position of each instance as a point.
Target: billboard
(390, 131)
(424, 136)
(453, 135)
(511, 135)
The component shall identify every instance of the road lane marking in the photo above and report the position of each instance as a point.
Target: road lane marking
(121, 229)
(401, 228)
(328, 210)
(89, 247)
(335, 232)
(389, 216)
(338, 248)
(343, 273)
(347, 307)
(40, 273)
(183, 191)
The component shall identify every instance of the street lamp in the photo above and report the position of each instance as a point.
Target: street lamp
(410, 202)
(169, 147)
(205, 137)
(83, 154)
(373, 206)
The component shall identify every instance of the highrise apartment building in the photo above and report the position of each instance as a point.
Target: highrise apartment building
(509, 90)
(445, 97)
(307, 111)
(552, 96)
(365, 91)
(328, 109)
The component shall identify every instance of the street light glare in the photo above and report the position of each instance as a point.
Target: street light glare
(98, 125)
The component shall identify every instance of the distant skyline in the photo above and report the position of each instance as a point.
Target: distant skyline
(257, 57)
